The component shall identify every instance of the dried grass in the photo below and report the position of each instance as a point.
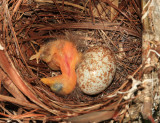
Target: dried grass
(25, 25)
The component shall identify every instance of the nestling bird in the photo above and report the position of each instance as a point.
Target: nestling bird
(60, 55)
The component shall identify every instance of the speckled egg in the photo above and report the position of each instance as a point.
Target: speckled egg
(96, 71)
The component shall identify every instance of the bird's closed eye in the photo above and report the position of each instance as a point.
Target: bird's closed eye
(57, 87)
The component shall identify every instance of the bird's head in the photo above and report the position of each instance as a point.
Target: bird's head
(60, 84)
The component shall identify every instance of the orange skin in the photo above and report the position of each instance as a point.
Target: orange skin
(63, 55)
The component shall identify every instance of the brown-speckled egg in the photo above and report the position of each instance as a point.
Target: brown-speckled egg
(96, 71)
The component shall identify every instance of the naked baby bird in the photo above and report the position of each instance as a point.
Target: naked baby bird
(60, 55)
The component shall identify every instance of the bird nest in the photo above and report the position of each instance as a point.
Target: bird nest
(26, 25)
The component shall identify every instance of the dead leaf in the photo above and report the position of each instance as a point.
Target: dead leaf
(97, 116)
